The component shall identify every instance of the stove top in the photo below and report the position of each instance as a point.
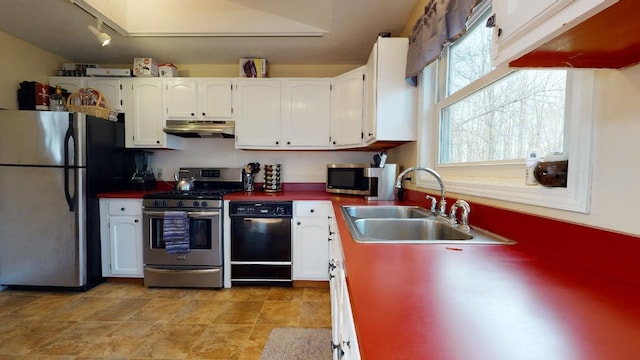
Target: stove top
(208, 194)
(209, 185)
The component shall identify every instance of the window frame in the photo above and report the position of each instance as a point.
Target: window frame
(505, 180)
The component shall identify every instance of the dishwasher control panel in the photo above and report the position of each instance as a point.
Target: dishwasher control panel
(260, 209)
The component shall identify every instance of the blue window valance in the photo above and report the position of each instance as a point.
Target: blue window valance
(443, 21)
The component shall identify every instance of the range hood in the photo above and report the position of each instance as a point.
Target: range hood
(200, 128)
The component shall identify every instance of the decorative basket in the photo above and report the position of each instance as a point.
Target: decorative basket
(89, 101)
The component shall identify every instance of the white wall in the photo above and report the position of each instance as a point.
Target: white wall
(297, 166)
(615, 197)
(21, 61)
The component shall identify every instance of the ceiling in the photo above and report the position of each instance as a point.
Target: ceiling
(349, 29)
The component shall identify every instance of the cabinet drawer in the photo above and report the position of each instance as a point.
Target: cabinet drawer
(125, 207)
(312, 208)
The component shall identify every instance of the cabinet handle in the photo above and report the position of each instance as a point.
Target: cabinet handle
(136, 221)
(298, 223)
(192, 114)
(122, 209)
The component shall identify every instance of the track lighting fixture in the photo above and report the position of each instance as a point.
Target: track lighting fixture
(103, 38)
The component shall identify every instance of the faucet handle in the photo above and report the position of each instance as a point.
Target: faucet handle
(466, 209)
(434, 202)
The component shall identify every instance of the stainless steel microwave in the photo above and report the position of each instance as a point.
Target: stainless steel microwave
(362, 179)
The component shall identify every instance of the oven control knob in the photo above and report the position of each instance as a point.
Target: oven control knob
(196, 204)
(204, 204)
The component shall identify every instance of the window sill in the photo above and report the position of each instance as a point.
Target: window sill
(514, 190)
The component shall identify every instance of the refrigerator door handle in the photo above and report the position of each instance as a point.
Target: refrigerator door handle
(69, 139)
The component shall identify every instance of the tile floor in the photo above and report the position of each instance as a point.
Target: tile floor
(129, 321)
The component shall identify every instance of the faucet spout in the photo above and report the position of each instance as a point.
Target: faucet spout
(443, 202)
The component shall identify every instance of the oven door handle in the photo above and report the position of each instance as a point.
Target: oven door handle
(203, 214)
(192, 214)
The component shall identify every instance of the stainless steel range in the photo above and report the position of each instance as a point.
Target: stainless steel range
(183, 230)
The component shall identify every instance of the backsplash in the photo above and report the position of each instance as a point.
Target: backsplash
(297, 166)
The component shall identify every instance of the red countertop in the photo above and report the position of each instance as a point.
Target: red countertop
(532, 300)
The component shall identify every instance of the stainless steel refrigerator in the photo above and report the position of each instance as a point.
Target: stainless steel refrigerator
(52, 166)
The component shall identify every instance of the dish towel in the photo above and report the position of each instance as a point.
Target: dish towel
(175, 232)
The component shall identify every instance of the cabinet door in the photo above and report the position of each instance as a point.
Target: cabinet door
(516, 16)
(347, 101)
(71, 84)
(147, 115)
(258, 111)
(181, 98)
(391, 102)
(214, 99)
(307, 112)
(349, 339)
(521, 26)
(310, 249)
(125, 242)
(111, 89)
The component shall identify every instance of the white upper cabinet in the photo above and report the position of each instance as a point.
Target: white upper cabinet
(69, 83)
(258, 113)
(215, 99)
(521, 25)
(112, 89)
(390, 102)
(347, 108)
(144, 121)
(198, 99)
(181, 98)
(282, 113)
(306, 113)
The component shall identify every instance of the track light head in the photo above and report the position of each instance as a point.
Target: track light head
(103, 38)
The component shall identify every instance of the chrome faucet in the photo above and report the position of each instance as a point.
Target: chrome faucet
(464, 217)
(443, 202)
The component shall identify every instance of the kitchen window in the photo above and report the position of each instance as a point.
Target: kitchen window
(478, 123)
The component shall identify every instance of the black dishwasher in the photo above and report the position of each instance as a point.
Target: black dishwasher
(261, 243)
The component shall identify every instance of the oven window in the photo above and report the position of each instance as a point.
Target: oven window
(200, 234)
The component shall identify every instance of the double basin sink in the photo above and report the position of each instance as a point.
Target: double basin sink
(409, 225)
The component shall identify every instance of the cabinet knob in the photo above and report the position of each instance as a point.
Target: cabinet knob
(288, 142)
(277, 142)
(157, 141)
(298, 223)
(312, 210)
(136, 221)
(204, 114)
(122, 209)
(192, 114)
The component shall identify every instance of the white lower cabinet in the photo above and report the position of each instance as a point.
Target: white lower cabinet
(310, 246)
(343, 331)
(121, 237)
